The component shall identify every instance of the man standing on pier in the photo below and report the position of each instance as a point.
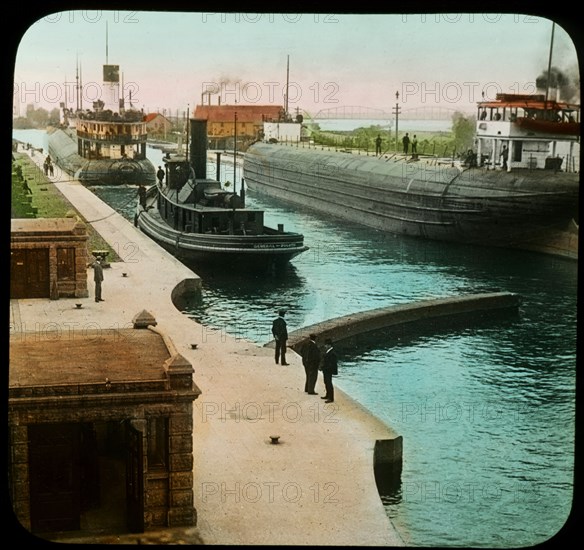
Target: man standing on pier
(98, 278)
(311, 361)
(280, 333)
(329, 369)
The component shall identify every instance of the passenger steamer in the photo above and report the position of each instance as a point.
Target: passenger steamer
(105, 145)
(528, 202)
(199, 222)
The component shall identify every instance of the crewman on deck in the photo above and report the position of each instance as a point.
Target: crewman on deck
(142, 195)
(160, 175)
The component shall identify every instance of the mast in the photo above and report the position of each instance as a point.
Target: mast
(80, 87)
(187, 125)
(549, 72)
(77, 85)
(106, 45)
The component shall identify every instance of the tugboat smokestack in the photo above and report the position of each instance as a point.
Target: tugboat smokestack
(198, 153)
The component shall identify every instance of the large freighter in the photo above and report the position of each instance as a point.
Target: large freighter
(105, 145)
(519, 189)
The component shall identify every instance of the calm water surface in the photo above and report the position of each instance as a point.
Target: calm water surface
(486, 411)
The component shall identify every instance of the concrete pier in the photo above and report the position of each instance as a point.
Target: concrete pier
(441, 310)
(316, 486)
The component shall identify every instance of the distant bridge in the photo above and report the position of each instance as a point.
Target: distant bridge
(368, 113)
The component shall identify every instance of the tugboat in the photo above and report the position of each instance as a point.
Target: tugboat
(199, 222)
(105, 145)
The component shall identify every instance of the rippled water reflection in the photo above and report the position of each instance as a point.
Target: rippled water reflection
(486, 411)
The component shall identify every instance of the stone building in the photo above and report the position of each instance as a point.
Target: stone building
(100, 425)
(48, 258)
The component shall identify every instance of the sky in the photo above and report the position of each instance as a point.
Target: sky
(336, 61)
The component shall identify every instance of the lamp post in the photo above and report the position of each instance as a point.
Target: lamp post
(396, 113)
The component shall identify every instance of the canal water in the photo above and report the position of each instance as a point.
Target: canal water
(486, 410)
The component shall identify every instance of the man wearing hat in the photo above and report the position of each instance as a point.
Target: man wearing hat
(280, 333)
(329, 369)
(311, 361)
(98, 278)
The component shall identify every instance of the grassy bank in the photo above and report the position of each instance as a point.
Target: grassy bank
(451, 143)
(441, 144)
(35, 196)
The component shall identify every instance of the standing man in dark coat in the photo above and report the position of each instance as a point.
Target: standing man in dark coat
(311, 361)
(406, 143)
(505, 156)
(378, 145)
(329, 369)
(142, 195)
(280, 333)
(160, 175)
(98, 278)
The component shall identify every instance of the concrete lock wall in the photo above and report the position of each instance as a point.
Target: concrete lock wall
(471, 307)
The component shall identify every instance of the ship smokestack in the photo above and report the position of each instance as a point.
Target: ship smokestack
(198, 152)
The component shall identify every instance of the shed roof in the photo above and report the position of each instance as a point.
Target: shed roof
(44, 358)
(35, 226)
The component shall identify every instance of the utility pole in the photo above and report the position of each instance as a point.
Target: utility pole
(287, 85)
(234, 150)
(396, 113)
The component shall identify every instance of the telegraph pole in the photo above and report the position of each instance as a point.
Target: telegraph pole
(396, 113)
(287, 85)
(234, 150)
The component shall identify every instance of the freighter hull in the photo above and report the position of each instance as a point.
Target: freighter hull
(432, 201)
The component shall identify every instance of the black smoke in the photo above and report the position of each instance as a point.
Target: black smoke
(567, 86)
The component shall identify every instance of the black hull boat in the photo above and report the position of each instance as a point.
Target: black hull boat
(528, 204)
(201, 223)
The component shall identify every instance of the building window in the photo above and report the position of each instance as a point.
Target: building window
(66, 264)
(157, 442)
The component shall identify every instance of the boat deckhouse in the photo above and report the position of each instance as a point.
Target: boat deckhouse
(537, 133)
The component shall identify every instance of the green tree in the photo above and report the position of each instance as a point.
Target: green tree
(463, 129)
(39, 117)
(54, 117)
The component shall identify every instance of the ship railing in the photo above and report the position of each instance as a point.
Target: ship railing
(113, 138)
